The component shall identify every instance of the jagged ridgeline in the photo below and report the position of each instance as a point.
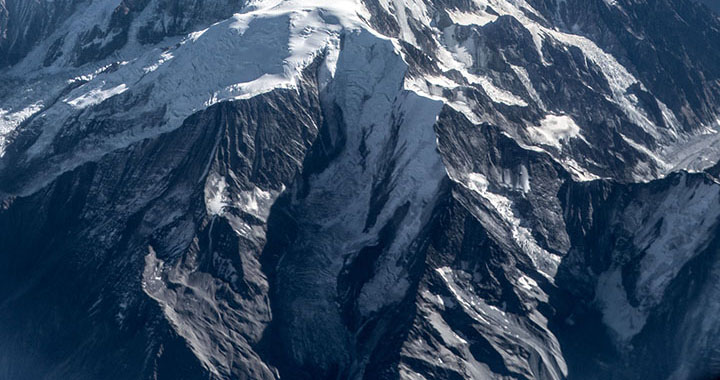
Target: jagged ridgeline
(359, 189)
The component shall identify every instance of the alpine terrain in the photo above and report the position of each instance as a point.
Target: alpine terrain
(359, 189)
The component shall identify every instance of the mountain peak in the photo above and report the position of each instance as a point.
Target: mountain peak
(358, 189)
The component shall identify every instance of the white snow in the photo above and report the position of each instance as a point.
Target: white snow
(669, 228)
(621, 317)
(251, 53)
(399, 10)
(471, 18)
(554, 130)
(527, 283)
(268, 45)
(219, 197)
(546, 263)
(166, 56)
(524, 179)
(686, 216)
(257, 202)
(694, 152)
(216, 197)
(461, 56)
(418, 179)
(524, 77)
(507, 328)
(433, 86)
(96, 96)
(497, 94)
(9, 120)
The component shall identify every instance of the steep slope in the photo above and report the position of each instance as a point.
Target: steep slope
(650, 268)
(714, 5)
(380, 189)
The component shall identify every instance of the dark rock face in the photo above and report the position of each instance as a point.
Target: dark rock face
(376, 190)
(657, 48)
(660, 336)
(177, 17)
(23, 24)
(100, 41)
(80, 242)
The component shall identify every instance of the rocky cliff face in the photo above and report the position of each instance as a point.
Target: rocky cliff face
(482, 189)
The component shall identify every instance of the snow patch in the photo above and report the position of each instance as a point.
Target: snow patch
(618, 314)
(527, 283)
(216, 197)
(498, 95)
(471, 18)
(554, 131)
(524, 77)
(219, 197)
(96, 96)
(257, 202)
(164, 57)
(545, 262)
(9, 120)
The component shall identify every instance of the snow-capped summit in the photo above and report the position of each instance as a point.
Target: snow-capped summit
(359, 189)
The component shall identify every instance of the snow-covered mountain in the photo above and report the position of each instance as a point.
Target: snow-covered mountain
(359, 189)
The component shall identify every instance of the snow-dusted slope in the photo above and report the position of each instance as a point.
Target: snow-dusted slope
(358, 189)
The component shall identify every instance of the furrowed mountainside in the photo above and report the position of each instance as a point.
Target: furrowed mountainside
(359, 189)
(712, 4)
